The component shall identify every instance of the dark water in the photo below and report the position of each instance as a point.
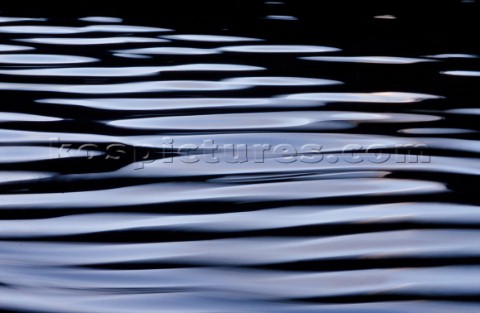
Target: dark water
(260, 157)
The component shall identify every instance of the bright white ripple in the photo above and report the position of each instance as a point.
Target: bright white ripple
(91, 41)
(279, 49)
(462, 73)
(376, 97)
(369, 59)
(101, 19)
(210, 38)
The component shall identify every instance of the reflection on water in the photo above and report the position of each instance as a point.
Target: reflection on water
(142, 71)
(210, 38)
(285, 164)
(63, 30)
(101, 19)
(137, 87)
(453, 55)
(281, 81)
(91, 41)
(462, 73)
(28, 59)
(7, 48)
(380, 97)
(169, 51)
(278, 49)
(370, 60)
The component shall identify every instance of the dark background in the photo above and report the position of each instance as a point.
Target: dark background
(433, 24)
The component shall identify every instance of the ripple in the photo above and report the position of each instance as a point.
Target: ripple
(329, 120)
(281, 17)
(86, 72)
(16, 177)
(209, 38)
(149, 86)
(375, 97)
(466, 111)
(132, 56)
(91, 41)
(279, 49)
(369, 60)
(46, 137)
(5, 19)
(453, 144)
(453, 56)
(214, 289)
(330, 142)
(425, 243)
(391, 243)
(134, 104)
(44, 59)
(282, 81)
(128, 71)
(22, 117)
(59, 30)
(169, 50)
(18, 154)
(392, 117)
(39, 29)
(7, 48)
(322, 195)
(216, 67)
(101, 19)
(220, 295)
(123, 29)
(436, 131)
(462, 73)
(302, 160)
(170, 192)
(236, 121)
(385, 17)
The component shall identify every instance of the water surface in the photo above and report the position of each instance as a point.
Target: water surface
(271, 157)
